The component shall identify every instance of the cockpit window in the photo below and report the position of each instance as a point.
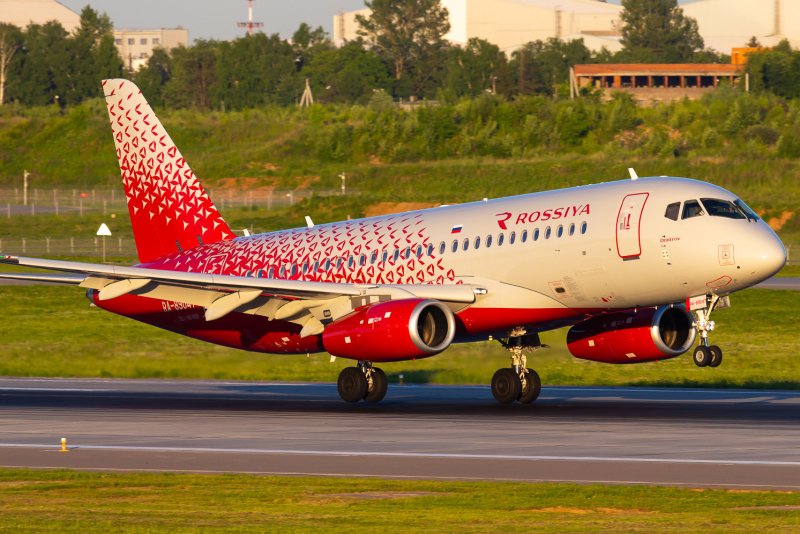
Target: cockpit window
(750, 214)
(722, 208)
(673, 210)
(691, 209)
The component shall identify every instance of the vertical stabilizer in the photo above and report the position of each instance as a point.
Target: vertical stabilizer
(169, 209)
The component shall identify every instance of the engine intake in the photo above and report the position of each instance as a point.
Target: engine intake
(392, 331)
(632, 336)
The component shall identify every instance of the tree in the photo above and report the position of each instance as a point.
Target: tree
(541, 65)
(194, 75)
(155, 74)
(348, 74)
(39, 71)
(409, 36)
(476, 68)
(93, 57)
(657, 31)
(10, 42)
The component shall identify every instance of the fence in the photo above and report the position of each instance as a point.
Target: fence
(123, 247)
(79, 201)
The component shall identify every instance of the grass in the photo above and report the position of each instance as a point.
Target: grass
(52, 331)
(68, 501)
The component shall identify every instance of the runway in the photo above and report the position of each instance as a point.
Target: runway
(685, 437)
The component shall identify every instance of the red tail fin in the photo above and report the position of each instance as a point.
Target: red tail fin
(169, 209)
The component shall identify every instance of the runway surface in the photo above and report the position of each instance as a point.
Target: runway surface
(687, 437)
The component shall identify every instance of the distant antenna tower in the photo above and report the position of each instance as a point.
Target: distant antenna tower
(250, 25)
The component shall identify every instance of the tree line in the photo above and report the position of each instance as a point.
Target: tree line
(400, 53)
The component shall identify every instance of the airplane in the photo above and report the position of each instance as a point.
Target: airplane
(635, 267)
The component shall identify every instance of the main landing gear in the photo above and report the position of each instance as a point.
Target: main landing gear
(364, 382)
(706, 355)
(517, 383)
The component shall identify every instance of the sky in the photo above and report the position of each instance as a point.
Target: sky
(216, 19)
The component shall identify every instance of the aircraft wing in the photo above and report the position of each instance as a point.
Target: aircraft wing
(301, 302)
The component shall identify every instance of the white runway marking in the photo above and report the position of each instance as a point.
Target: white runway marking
(373, 454)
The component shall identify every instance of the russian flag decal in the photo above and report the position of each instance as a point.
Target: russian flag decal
(457, 229)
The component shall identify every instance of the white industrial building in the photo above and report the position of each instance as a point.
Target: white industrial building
(726, 24)
(136, 46)
(511, 23)
(723, 24)
(22, 13)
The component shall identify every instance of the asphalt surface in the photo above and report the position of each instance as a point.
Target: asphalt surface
(685, 437)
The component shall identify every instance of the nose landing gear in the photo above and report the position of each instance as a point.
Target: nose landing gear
(706, 355)
(518, 383)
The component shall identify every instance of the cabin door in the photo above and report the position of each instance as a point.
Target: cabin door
(629, 243)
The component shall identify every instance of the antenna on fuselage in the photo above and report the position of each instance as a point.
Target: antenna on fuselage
(633, 174)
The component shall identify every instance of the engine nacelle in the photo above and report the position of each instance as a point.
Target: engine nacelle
(392, 331)
(642, 335)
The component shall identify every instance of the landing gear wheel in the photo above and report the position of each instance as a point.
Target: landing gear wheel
(701, 356)
(506, 386)
(716, 356)
(532, 387)
(352, 384)
(378, 386)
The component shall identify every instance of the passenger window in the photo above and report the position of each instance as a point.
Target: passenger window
(572, 229)
(396, 254)
(524, 237)
(500, 239)
(339, 262)
(316, 266)
(512, 237)
(430, 249)
(419, 251)
(327, 265)
(489, 241)
(673, 210)
(271, 272)
(691, 209)
(351, 262)
(373, 257)
(293, 272)
(478, 242)
(282, 271)
(584, 227)
(362, 259)
(442, 246)
(535, 235)
(454, 247)
(407, 253)
(385, 256)
(722, 208)
(560, 230)
(465, 246)
(547, 233)
(304, 269)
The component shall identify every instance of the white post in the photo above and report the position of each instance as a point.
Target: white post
(25, 175)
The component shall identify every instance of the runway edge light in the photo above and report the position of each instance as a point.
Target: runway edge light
(64, 445)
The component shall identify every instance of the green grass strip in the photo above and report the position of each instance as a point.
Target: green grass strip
(74, 501)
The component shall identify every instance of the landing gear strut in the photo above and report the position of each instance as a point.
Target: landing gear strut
(364, 382)
(706, 355)
(518, 383)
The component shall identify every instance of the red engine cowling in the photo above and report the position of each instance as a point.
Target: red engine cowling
(633, 336)
(392, 331)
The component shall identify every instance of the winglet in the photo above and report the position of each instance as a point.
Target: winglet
(633, 174)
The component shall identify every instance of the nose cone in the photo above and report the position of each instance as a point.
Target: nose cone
(770, 255)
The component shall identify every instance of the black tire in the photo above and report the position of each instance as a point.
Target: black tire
(379, 386)
(532, 387)
(701, 356)
(352, 384)
(716, 356)
(506, 386)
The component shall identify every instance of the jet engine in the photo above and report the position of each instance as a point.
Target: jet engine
(633, 336)
(392, 331)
